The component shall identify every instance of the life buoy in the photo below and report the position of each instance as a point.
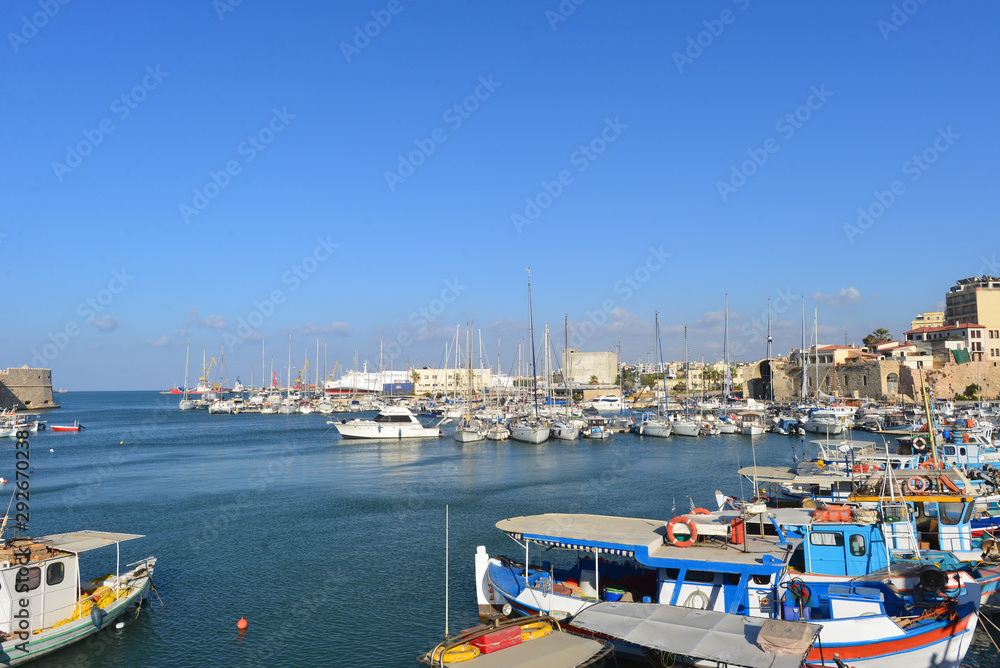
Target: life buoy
(861, 468)
(455, 654)
(535, 630)
(918, 484)
(701, 511)
(932, 464)
(672, 536)
(920, 442)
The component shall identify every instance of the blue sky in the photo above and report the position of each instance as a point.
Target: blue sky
(227, 172)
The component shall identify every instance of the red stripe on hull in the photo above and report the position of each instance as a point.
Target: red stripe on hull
(896, 646)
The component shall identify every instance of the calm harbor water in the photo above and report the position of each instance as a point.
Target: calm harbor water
(333, 551)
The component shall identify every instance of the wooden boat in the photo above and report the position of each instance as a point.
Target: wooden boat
(48, 612)
(512, 643)
(723, 565)
(76, 426)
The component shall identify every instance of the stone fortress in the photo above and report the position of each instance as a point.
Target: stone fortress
(28, 389)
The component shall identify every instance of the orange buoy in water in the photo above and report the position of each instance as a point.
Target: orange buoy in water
(242, 624)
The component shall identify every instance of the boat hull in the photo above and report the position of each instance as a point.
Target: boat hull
(56, 638)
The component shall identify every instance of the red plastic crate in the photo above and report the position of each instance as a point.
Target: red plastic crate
(497, 640)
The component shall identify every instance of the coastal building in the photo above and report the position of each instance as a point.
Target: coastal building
(928, 319)
(450, 381)
(943, 343)
(580, 366)
(976, 300)
(25, 388)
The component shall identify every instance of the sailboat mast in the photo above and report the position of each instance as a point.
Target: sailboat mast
(531, 332)
(725, 358)
(770, 370)
(663, 372)
(187, 364)
(816, 328)
(802, 353)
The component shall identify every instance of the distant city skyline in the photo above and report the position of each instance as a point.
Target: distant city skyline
(377, 174)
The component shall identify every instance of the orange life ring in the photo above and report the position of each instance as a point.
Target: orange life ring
(672, 537)
(932, 464)
(918, 484)
(861, 468)
(701, 511)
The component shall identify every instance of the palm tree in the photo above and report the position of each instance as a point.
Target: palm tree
(593, 380)
(880, 335)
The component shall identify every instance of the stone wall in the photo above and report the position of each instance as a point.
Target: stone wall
(952, 379)
(877, 380)
(26, 389)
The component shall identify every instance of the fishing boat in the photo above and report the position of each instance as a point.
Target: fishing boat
(76, 426)
(48, 606)
(723, 562)
(597, 428)
(391, 422)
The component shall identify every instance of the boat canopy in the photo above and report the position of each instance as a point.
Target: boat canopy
(82, 541)
(703, 634)
(643, 540)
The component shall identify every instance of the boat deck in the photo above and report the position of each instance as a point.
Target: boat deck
(644, 539)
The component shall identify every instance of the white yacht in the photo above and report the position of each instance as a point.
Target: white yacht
(686, 427)
(391, 422)
(606, 403)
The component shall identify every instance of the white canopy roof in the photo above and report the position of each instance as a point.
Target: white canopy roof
(81, 541)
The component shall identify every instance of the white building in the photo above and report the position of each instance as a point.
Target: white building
(580, 366)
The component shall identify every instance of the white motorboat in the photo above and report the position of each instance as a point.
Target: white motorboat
(606, 403)
(596, 428)
(391, 422)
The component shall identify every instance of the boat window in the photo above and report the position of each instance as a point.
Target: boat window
(949, 450)
(951, 513)
(733, 578)
(961, 451)
(761, 579)
(29, 580)
(858, 545)
(55, 573)
(826, 538)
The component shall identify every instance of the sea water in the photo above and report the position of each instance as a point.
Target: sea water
(332, 550)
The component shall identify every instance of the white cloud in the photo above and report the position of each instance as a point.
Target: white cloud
(162, 341)
(210, 321)
(335, 328)
(108, 323)
(846, 297)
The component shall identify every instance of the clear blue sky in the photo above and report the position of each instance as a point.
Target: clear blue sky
(214, 158)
